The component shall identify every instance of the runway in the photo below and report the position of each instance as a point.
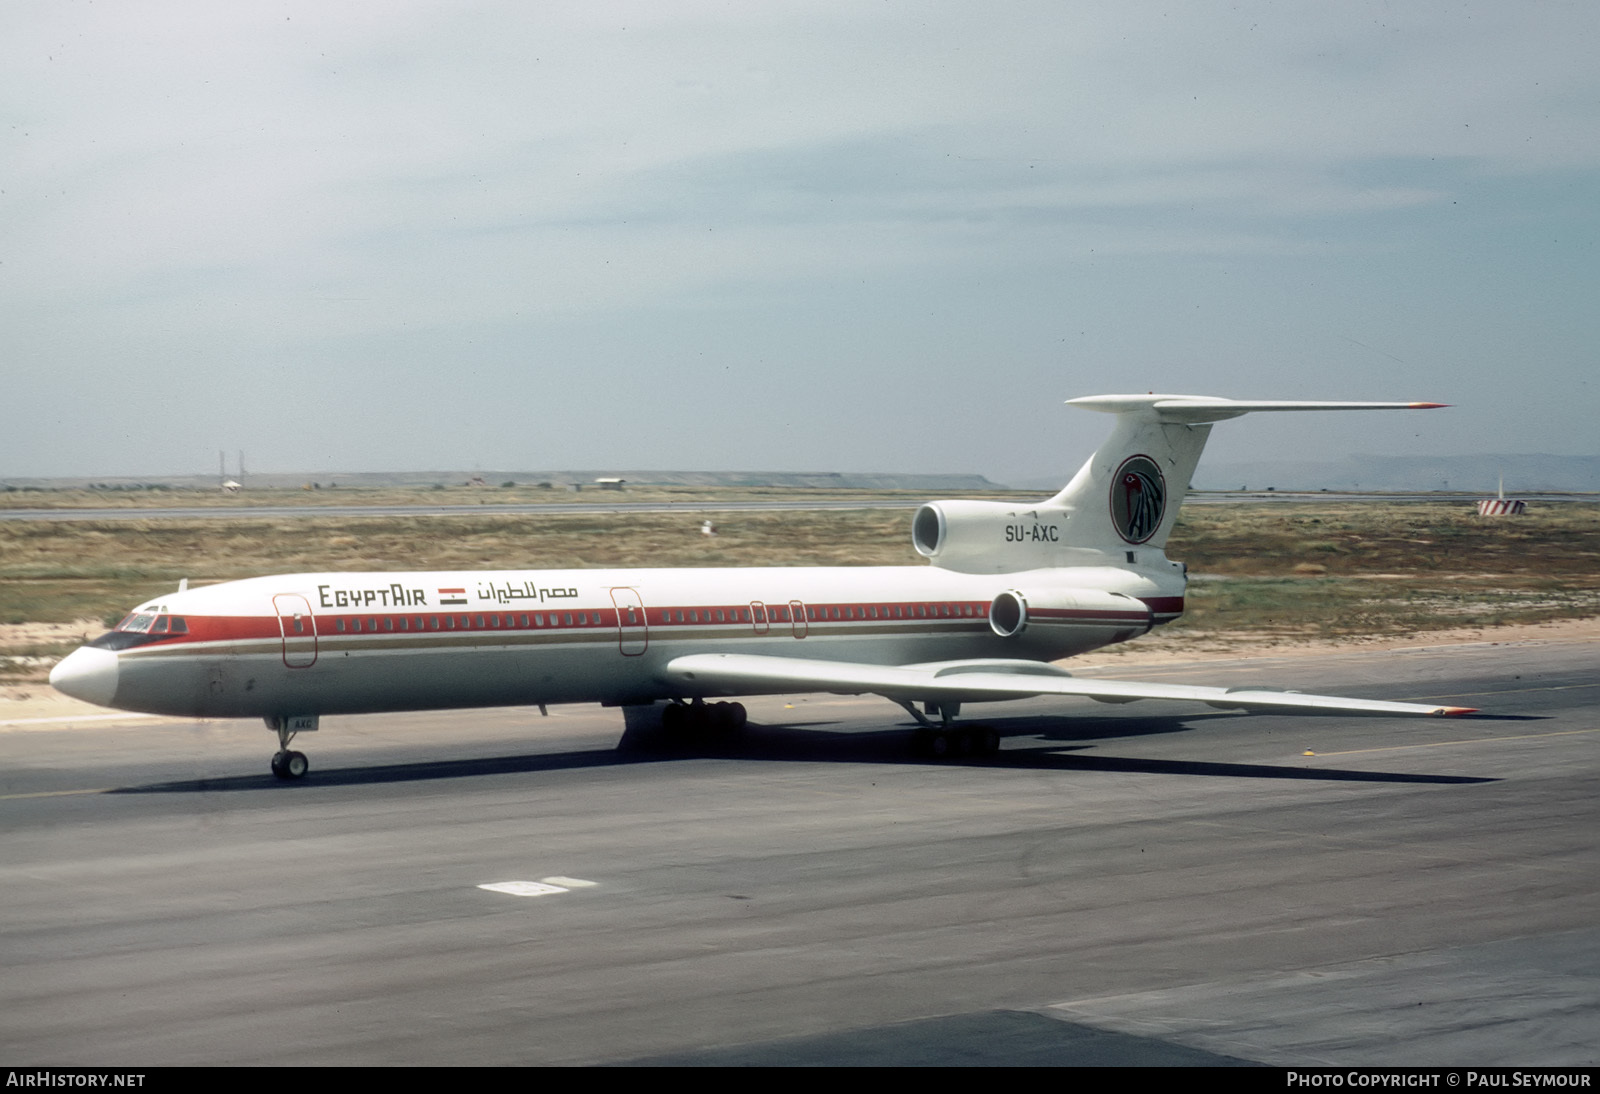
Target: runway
(1131, 884)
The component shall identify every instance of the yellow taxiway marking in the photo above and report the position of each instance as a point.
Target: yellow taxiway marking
(1467, 741)
(56, 793)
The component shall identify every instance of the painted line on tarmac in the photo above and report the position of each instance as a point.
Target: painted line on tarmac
(56, 793)
(1468, 741)
(21, 722)
(543, 887)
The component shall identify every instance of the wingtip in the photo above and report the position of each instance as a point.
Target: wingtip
(1428, 406)
(1452, 712)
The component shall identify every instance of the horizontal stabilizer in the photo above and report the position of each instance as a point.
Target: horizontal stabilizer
(1198, 409)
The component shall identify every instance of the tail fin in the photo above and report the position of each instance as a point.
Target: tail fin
(1127, 495)
(1130, 490)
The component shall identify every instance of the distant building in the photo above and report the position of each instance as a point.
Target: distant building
(231, 487)
(610, 484)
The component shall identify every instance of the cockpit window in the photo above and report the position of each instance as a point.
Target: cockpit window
(152, 623)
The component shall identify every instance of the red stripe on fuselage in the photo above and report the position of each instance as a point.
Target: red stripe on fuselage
(905, 615)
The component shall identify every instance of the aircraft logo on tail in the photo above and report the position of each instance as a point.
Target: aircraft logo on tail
(1138, 499)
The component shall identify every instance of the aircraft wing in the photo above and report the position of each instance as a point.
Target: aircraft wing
(987, 681)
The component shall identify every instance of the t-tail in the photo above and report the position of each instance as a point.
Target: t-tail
(1119, 508)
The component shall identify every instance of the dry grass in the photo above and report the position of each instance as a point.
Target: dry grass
(1348, 538)
(1296, 570)
(59, 571)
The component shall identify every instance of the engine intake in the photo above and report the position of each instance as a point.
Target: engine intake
(979, 537)
(1014, 611)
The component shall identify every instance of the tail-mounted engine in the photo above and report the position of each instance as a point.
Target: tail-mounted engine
(1013, 612)
(989, 537)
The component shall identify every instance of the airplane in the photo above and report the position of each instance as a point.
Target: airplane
(1009, 588)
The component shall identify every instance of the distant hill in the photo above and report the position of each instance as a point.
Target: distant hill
(1471, 474)
(834, 480)
(1476, 474)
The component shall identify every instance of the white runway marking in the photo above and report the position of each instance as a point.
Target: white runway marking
(543, 887)
(523, 888)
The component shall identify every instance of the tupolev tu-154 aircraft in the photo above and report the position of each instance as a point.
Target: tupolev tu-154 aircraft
(1010, 587)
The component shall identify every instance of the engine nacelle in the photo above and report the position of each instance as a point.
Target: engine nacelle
(989, 537)
(1123, 617)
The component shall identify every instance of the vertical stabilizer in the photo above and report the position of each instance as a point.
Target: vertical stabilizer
(1129, 492)
(1125, 498)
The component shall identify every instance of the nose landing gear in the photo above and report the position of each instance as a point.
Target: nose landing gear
(287, 764)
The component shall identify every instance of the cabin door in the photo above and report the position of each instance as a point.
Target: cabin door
(633, 636)
(299, 630)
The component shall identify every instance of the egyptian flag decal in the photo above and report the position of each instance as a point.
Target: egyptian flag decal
(1138, 499)
(452, 596)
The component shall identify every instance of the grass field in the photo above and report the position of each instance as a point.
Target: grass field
(1317, 569)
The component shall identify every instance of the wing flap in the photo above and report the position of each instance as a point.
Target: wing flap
(988, 681)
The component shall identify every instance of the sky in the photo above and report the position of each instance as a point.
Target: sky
(830, 235)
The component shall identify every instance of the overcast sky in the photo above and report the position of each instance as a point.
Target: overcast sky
(825, 235)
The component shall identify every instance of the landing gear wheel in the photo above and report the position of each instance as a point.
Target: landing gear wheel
(290, 765)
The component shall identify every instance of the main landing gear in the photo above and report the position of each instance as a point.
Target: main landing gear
(702, 717)
(945, 741)
(287, 764)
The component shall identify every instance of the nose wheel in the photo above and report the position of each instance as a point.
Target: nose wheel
(290, 765)
(286, 763)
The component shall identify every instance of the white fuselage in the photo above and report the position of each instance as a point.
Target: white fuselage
(350, 643)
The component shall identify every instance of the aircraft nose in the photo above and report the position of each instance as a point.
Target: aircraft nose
(88, 674)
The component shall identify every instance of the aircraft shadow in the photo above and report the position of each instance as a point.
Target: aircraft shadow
(1055, 746)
